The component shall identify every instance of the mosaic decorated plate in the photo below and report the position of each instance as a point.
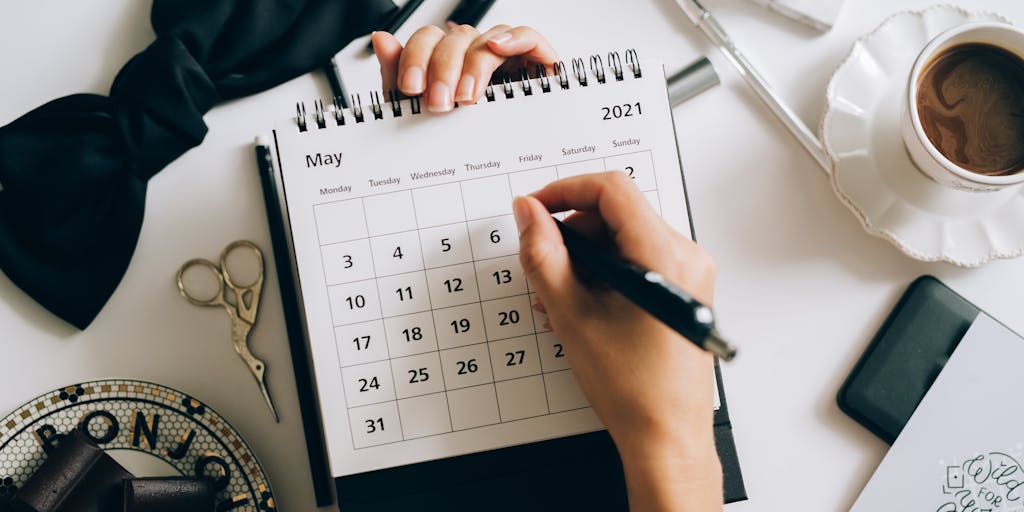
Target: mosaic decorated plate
(151, 430)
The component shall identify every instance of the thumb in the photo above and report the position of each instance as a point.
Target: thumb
(542, 253)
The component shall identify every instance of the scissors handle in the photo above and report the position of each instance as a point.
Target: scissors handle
(247, 297)
(217, 299)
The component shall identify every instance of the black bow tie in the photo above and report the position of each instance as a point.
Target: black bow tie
(73, 172)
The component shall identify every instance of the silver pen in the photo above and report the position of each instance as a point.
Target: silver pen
(707, 24)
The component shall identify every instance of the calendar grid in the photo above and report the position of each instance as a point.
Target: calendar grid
(505, 365)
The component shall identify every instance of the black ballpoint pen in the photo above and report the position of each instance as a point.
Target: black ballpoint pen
(469, 12)
(396, 20)
(651, 292)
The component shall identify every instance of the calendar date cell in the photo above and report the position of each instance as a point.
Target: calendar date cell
(494, 237)
(347, 262)
(340, 221)
(552, 352)
(487, 197)
(410, 334)
(638, 166)
(368, 383)
(459, 326)
(514, 358)
(445, 245)
(417, 375)
(354, 302)
(403, 294)
(425, 415)
(473, 407)
(375, 424)
(438, 205)
(397, 253)
(389, 213)
(526, 182)
(508, 318)
(452, 286)
(361, 343)
(500, 277)
(466, 366)
(522, 398)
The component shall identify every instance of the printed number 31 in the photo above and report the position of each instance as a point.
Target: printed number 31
(374, 425)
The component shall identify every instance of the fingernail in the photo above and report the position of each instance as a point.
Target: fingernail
(547, 325)
(412, 82)
(440, 98)
(467, 86)
(538, 307)
(502, 38)
(522, 214)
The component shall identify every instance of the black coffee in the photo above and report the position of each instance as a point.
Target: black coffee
(971, 104)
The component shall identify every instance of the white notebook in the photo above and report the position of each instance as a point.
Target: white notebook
(962, 449)
(419, 317)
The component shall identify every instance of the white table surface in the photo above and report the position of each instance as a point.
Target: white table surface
(802, 287)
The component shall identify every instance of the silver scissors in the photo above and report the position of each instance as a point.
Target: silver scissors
(242, 306)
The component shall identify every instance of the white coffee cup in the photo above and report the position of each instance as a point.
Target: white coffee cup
(924, 154)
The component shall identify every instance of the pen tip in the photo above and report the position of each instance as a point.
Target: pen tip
(719, 347)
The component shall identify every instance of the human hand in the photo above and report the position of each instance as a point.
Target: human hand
(456, 66)
(651, 388)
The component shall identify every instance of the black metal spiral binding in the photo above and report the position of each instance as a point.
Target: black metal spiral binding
(634, 62)
(597, 67)
(375, 105)
(506, 84)
(542, 75)
(615, 62)
(321, 121)
(579, 69)
(524, 81)
(396, 103)
(559, 71)
(562, 74)
(339, 111)
(300, 115)
(357, 108)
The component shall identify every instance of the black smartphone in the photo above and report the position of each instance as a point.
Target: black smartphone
(905, 357)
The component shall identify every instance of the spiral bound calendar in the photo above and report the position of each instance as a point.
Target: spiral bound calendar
(420, 327)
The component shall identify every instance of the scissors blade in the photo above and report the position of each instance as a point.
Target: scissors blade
(266, 396)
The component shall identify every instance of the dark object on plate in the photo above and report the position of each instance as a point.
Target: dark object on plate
(168, 495)
(905, 357)
(68, 231)
(77, 476)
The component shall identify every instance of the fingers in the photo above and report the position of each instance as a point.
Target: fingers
(542, 253)
(526, 42)
(389, 52)
(412, 66)
(611, 194)
(445, 68)
(480, 63)
(636, 229)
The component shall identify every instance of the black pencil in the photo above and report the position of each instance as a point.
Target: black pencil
(651, 292)
(308, 405)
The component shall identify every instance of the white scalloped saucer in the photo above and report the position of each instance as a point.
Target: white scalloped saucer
(873, 174)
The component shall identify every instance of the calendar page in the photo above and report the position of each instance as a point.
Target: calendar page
(419, 317)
